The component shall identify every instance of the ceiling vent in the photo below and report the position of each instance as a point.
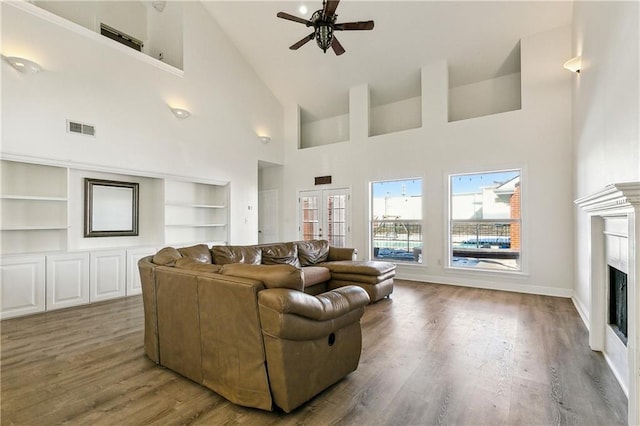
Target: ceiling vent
(121, 37)
(80, 128)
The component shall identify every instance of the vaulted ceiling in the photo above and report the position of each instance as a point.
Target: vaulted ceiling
(478, 39)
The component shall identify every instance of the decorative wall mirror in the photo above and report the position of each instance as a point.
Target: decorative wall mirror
(110, 208)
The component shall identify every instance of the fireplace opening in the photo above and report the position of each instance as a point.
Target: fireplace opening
(618, 303)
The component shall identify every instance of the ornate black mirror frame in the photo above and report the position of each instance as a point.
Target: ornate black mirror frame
(110, 208)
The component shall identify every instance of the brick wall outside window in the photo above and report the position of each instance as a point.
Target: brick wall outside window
(515, 214)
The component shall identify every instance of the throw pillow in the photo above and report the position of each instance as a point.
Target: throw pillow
(199, 253)
(312, 251)
(284, 253)
(167, 256)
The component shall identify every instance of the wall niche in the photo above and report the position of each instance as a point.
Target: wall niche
(395, 106)
(318, 130)
(157, 25)
(496, 95)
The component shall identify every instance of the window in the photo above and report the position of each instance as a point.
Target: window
(396, 220)
(485, 222)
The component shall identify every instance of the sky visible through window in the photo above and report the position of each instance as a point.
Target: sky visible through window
(397, 188)
(473, 183)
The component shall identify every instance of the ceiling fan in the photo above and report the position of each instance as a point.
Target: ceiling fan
(324, 24)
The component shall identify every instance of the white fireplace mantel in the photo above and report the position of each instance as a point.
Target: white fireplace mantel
(616, 200)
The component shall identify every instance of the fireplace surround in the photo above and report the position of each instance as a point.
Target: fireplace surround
(614, 214)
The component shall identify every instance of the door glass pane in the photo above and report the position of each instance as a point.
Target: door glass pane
(336, 220)
(310, 218)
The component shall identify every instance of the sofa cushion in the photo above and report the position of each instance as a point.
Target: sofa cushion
(199, 253)
(312, 252)
(365, 267)
(167, 256)
(194, 265)
(313, 275)
(236, 254)
(272, 276)
(275, 254)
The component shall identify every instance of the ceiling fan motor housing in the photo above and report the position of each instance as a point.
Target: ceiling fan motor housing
(324, 24)
(323, 28)
(324, 36)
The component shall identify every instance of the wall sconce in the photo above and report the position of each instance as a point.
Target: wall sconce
(180, 113)
(574, 64)
(23, 65)
(264, 139)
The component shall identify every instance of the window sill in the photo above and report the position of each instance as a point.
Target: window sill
(486, 272)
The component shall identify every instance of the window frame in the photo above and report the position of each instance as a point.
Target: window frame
(448, 249)
(422, 259)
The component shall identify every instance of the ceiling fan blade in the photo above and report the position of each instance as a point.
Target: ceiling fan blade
(330, 7)
(303, 41)
(337, 47)
(354, 26)
(289, 17)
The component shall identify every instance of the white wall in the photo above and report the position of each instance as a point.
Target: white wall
(536, 138)
(107, 85)
(606, 110)
(164, 34)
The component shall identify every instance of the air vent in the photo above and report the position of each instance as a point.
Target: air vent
(80, 128)
(120, 37)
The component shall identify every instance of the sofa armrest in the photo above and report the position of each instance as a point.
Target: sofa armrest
(342, 253)
(323, 307)
(297, 316)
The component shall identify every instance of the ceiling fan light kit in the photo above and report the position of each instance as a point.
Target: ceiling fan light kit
(324, 24)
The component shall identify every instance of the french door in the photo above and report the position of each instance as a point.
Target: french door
(325, 215)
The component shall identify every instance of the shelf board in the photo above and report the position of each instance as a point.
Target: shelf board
(194, 225)
(32, 198)
(200, 206)
(33, 228)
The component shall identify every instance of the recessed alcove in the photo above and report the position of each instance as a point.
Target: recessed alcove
(395, 106)
(159, 28)
(319, 130)
(496, 95)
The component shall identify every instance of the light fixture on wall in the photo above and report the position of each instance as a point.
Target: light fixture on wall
(159, 5)
(23, 65)
(574, 64)
(264, 139)
(180, 113)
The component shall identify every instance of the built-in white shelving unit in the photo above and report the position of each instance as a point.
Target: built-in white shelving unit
(195, 212)
(46, 264)
(34, 207)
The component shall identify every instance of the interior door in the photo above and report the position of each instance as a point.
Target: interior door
(325, 215)
(268, 216)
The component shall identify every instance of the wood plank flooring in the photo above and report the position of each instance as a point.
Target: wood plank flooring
(432, 355)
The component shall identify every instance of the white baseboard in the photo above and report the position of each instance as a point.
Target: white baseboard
(582, 311)
(513, 286)
(617, 374)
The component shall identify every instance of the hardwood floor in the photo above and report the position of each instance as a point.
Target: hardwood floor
(432, 354)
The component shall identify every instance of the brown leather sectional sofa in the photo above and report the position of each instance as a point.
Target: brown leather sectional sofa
(263, 326)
